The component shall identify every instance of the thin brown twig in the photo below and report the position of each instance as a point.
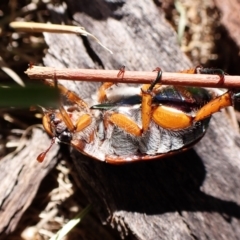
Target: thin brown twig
(95, 75)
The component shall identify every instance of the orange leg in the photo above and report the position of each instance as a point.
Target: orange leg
(67, 120)
(128, 124)
(190, 70)
(146, 111)
(125, 123)
(168, 117)
(102, 90)
(174, 119)
(69, 94)
(147, 96)
(82, 122)
(52, 118)
(214, 106)
(171, 118)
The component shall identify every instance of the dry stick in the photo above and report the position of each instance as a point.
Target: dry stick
(94, 75)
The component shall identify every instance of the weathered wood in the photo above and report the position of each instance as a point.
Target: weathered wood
(21, 175)
(193, 195)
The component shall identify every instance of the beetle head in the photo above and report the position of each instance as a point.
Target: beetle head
(55, 126)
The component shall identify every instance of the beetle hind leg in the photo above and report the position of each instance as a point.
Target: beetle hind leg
(215, 105)
(217, 71)
(202, 70)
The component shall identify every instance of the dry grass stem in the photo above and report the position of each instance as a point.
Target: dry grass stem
(94, 75)
(43, 27)
(53, 28)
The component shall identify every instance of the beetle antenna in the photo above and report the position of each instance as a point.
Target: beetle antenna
(42, 155)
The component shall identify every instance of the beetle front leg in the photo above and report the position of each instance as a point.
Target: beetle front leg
(83, 121)
(69, 95)
(102, 90)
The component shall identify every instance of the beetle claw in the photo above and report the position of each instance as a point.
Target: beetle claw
(157, 80)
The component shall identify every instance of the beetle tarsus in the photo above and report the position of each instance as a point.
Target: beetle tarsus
(217, 71)
(157, 80)
(121, 71)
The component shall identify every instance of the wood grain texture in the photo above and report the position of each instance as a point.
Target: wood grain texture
(194, 195)
(21, 175)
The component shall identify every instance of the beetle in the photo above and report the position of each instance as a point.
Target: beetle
(150, 122)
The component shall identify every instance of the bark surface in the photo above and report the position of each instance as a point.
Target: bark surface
(194, 195)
